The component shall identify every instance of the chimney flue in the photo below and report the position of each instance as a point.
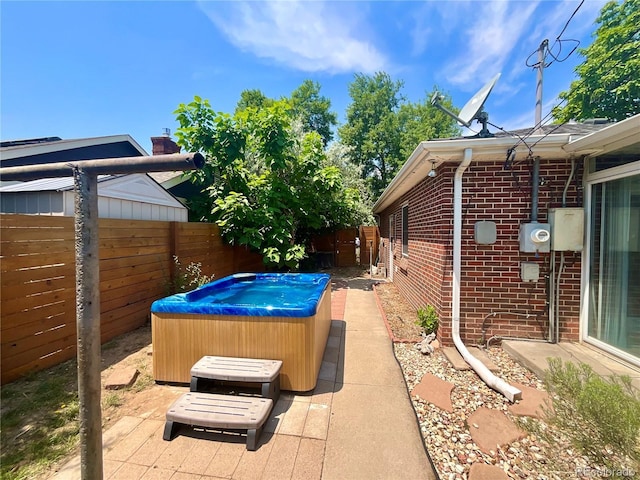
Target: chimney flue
(164, 145)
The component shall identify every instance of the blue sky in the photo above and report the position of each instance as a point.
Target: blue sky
(82, 68)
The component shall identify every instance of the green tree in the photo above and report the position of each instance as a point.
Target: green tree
(253, 98)
(372, 129)
(338, 155)
(422, 121)
(313, 110)
(608, 82)
(268, 183)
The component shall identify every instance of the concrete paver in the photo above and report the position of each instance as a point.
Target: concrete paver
(121, 378)
(316, 424)
(455, 358)
(533, 400)
(373, 432)
(309, 460)
(490, 428)
(482, 471)
(436, 391)
(282, 459)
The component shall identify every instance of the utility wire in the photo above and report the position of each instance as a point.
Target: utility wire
(578, 82)
(570, 18)
(558, 41)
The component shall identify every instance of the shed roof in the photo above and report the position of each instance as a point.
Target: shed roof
(138, 187)
(25, 152)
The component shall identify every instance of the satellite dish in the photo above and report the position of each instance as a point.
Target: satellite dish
(472, 109)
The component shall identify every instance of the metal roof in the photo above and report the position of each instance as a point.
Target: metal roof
(49, 184)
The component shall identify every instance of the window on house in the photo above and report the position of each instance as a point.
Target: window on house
(405, 230)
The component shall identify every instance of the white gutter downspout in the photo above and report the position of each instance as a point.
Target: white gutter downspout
(483, 372)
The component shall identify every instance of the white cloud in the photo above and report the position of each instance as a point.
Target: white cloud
(308, 36)
(489, 41)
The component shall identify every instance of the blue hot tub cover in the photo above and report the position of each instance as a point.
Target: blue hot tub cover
(251, 294)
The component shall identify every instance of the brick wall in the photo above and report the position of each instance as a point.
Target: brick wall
(494, 301)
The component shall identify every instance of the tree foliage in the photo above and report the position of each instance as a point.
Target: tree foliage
(608, 82)
(422, 121)
(372, 130)
(382, 128)
(253, 98)
(269, 184)
(313, 110)
(338, 155)
(306, 105)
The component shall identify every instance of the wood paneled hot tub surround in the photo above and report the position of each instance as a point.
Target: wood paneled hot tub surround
(280, 325)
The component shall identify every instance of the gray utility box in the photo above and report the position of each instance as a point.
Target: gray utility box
(567, 229)
(534, 237)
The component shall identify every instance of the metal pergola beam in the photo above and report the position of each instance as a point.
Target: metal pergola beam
(85, 174)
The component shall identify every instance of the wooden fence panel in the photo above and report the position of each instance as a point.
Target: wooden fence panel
(369, 241)
(37, 294)
(37, 280)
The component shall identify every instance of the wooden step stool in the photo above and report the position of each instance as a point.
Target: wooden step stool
(231, 369)
(224, 412)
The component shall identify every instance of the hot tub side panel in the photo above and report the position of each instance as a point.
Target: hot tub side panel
(180, 340)
(322, 328)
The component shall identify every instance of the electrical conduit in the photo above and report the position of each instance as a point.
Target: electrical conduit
(509, 391)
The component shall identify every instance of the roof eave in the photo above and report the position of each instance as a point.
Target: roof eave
(435, 152)
(613, 137)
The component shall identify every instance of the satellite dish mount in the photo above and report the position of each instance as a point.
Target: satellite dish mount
(472, 110)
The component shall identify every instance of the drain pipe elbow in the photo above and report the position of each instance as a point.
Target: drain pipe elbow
(509, 391)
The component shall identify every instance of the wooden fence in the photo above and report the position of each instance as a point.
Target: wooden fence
(369, 241)
(37, 280)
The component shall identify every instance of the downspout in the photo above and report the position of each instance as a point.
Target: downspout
(510, 392)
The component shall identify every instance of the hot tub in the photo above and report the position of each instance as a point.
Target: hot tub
(265, 315)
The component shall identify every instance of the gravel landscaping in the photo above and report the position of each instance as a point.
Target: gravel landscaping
(447, 435)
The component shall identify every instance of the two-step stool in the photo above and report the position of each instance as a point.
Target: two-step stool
(230, 412)
(230, 369)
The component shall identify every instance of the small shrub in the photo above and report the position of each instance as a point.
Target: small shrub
(599, 416)
(187, 278)
(428, 319)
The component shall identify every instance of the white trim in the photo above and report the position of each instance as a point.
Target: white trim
(608, 139)
(436, 152)
(613, 173)
(391, 240)
(618, 354)
(592, 179)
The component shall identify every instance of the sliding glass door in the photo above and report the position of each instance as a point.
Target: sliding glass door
(614, 263)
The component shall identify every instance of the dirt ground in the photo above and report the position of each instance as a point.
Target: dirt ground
(401, 316)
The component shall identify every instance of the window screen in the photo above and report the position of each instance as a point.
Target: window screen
(405, 230)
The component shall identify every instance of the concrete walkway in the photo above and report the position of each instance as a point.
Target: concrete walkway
(358, 423)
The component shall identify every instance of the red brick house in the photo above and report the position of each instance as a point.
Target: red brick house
(535, 238)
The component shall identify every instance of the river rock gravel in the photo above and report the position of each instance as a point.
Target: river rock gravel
(447, 436)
